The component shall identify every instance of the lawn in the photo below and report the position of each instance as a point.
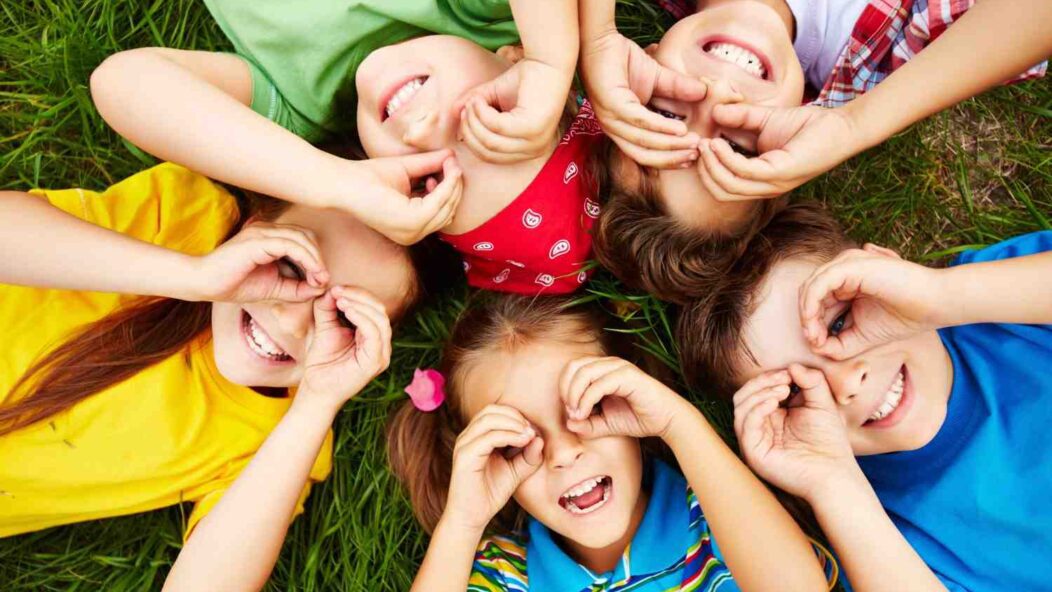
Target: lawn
(971, 176)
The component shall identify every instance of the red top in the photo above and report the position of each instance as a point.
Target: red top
(541, 241)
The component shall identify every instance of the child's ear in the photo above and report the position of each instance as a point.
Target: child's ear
(512, 53)
(878, 250)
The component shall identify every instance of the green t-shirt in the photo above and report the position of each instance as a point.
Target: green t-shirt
(303, 54)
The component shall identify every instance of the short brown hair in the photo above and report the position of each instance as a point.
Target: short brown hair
(710, 330)
(639, 240)
(420, 445)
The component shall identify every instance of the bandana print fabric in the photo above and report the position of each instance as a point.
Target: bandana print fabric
(888, 34)
(541, 241)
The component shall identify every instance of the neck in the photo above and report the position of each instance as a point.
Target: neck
(779, 6)
(605, 559)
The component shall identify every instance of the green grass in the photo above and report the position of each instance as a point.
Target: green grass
(973, 175)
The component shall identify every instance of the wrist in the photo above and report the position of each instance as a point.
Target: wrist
(332, 182)
(837, 485)
(455, 528)
(686, 426)
(317, 407)
(188, 272)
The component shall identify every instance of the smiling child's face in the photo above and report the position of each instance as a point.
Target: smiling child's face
(744, 51)
(891, 398)
(407, 92)
(586, 491)
(264, 344)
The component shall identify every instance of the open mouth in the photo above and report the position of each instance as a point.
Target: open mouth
(400, 95)
(587, 496)
(893, 404)
(739, 54)
(259, 342)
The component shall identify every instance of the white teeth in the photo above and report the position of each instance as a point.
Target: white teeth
(739, 56)
(582, 488)
(261, 343)
(403, 94)
(891, 398)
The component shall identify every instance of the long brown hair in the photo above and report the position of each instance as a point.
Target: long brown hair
(117, 346)
(420, 445)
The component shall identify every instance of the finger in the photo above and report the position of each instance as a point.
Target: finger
(609, 383)
(570, 370)
(662, 159)
(423, 164)
(591, 427)
(879, 250)
(755, 169)
(480, 448)
(495, 124)
(736, 188)
(716, 191)
(752, 427)
(447, 190)
(359, 295)
(626, 107)
(326, 314)
(673, 85)
(812, 385)
(778, 393)
(759, 383)
(495, 408)
(372, 333)
(530, 460)
(825, 288)
(742, 116)
(487, 422)
(652, 140)
(270, 248)
(448, 198)
(587, 374)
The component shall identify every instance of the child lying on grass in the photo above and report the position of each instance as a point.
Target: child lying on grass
(540, 471)
(322, 68)
(936, 379)
(672, 223)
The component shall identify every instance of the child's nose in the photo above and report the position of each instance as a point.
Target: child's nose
(562, 449)
(846, 379)
(720, 92)
(293, 318)
(425, 131)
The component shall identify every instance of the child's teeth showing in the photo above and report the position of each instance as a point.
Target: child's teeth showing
(891, 398)
(587, 496)
(739, 56)
(261, 343)
(403, 94)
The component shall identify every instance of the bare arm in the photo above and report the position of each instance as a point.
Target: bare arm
(1016, 290)
(1011, 35)
(45, 247)
(191, 107)
(235, 547)
(450, 556)
(548, 31)
(762, 544)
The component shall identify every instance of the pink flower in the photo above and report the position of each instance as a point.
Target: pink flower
(428, 389)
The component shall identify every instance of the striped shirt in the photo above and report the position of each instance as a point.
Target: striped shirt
(672, 549)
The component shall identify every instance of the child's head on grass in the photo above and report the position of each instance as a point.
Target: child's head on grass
(743, 51)
(512, 351)
(891, 398)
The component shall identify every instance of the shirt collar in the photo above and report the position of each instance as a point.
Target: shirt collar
(662, 539)
(963, 412)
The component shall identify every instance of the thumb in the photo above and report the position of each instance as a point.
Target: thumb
(595, 426)
(423, 164)
(326, 314)
(527, 463)
(670, 84)
(742, 116)
(850, 342)
(813, 386)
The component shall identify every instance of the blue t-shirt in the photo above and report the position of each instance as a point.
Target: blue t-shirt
(976, 501)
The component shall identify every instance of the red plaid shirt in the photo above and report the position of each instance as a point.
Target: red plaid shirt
(887, 35)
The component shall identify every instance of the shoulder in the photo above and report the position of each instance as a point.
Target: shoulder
(500, 564)
(1020, 246)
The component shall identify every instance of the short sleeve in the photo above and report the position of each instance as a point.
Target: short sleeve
(1020, 246)
(500, 565)
(166, 205)
(268, 101)
(213, 492)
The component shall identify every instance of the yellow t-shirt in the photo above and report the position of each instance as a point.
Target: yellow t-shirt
(177, 431)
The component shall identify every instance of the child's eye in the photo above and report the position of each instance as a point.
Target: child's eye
(839, 324)
(793, 400)
(345, 322)
(597, 409)
(510, 452)
(667, 114)
(290, 270)
(740, 149)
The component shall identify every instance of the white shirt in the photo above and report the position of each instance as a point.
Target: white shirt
(823, 28)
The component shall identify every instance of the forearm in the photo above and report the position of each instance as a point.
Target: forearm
(1010, 35)
(177, 114)
(764, 548)
(548, 29)
(236, 545)
(43, 246)
(450, 555)
(597, 18)
(867, 542)
(1016, 290)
